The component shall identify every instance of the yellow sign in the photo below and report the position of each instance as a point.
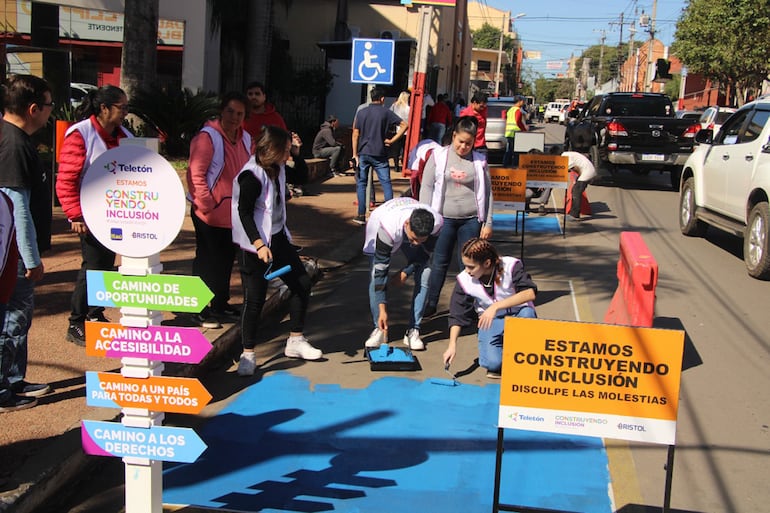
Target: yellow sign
(509, 188)
(546, 170)
(591, 379)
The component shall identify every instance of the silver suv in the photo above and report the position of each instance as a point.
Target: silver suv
(726, 184)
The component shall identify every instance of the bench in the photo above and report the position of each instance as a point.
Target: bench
(318, 169)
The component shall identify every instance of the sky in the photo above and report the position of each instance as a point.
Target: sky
(561, 28)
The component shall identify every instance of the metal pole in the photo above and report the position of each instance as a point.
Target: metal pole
(669, 479)
(499, 58)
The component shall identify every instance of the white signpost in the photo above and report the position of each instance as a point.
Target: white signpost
(133, 202)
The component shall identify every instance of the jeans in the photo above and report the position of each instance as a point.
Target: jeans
(510, 157)
(577, 197)
(13, 338)
(381, 166)
(332, 153)
(454, 233)
(437, 131)
(491, 339)
(94, 257)
(214, 257)
(417, 258)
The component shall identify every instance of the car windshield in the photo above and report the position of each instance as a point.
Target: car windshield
(643, 106)
(722, 115)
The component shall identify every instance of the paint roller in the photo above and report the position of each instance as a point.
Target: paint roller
(446, 382)
(275, 274)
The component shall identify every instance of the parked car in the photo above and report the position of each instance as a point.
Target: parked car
(78, 92)
(726, 184)
(689, 114)
(553, 110)
(713, 117)
(497, 108)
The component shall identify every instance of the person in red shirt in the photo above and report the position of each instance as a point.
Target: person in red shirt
(261, 112)
(439, 119)
(101, 129)
(478, 109)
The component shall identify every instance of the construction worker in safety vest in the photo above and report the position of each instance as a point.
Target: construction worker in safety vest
(514, 122)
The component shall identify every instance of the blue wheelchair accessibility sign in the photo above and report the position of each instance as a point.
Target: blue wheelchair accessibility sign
(372, 61)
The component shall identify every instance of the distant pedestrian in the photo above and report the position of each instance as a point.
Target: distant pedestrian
(478, 109)
(28, 105)
(370, 147)
(458, 105)
(489, 288)
(326, 146)
(260, 113)
(217, 154)
(439, 119)
(100, 129)
(515, 122)
(401, 108)
(456, 183)
(260, 230)
(405, 224)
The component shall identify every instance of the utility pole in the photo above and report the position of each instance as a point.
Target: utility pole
(599, 78)
(500, 57)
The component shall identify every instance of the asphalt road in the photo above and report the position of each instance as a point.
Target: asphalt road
(723, 438)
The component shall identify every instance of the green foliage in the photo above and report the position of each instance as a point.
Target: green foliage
(672, 87)
(609, 61)
(548, 89)
(176, 115)
(726, 41)
(489, 37)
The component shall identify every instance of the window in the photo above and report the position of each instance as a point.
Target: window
(729, 132)
(484, 65)
(755, 125)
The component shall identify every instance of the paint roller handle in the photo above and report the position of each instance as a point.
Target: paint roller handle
(280, 272)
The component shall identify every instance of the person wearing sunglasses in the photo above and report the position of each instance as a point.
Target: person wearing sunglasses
(100, 129)
(260, 231)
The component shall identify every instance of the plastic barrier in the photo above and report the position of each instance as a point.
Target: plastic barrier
(634, 301)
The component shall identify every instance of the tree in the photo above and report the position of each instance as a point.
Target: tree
(140, 45)
(489, 37)
(609, 58)
(726, 42)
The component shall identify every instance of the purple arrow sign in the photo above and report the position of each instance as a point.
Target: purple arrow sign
(162, 343)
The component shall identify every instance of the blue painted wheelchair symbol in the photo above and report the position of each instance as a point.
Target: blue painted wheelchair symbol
(372, 61)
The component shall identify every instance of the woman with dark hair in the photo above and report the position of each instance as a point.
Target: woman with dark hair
(217, 154)
(456, 183)
(259, 229)
(101, 128)
(495, 287)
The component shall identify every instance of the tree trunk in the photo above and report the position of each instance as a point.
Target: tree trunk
(139, 61)
(259, 40)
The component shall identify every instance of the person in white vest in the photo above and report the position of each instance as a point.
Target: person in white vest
(491, 288)
(259, 229)
(406, 224)
(217, 154)
(101, 129)
(456, 183)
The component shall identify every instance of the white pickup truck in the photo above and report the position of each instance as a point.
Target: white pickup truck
(726, 184)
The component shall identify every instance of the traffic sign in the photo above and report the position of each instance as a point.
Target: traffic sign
(161, 443)
(372, 61)
(156, 393)
(133, 201)
(161, 343)
(166, 292)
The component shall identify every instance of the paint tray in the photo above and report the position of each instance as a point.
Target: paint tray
(387, 358)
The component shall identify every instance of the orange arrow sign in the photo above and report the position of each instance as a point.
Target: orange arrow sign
(156, 393)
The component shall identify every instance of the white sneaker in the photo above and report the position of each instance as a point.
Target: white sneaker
(413, 341)
(376, 339)
(247, 364)
(299, 347)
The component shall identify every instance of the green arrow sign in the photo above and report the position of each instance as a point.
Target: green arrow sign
(165, 292)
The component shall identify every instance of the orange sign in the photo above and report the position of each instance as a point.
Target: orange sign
(509, 188)
(156, 393)
(591, 379)
(545, 170)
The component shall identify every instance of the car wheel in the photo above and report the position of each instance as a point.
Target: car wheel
(567, 144)
(599, 165)
(689, 224)
(676, 177)
(756, 242)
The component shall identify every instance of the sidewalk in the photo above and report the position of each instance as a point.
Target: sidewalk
(41, 447)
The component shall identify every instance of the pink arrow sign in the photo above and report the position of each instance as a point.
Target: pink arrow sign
(162, 343)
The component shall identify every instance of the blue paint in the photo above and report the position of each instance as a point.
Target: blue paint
(385, 353)
(538, 224)
(399, 445)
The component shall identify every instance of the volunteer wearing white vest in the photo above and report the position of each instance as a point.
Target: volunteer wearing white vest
(495, 287)
(456, 183)
(406, 224)
(101, 129)
(217, 154)
(259, 229)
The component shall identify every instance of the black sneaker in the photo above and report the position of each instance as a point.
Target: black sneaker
(16, 402)
(206, 321)
(77, 335)
(27, 389)
(97, 317)
(360, 220)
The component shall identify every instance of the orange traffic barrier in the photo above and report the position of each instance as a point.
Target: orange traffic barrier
(585, 205)
(634, 301)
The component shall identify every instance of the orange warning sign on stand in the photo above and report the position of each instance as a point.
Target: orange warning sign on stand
(545, 170)
(509, 188)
